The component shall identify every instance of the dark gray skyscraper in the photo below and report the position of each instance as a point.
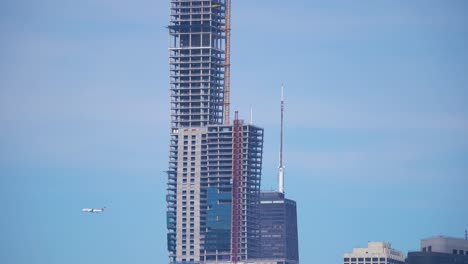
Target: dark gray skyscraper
(278, 218)
(278, 225)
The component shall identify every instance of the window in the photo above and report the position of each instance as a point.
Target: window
(455, 251)
(429, 248)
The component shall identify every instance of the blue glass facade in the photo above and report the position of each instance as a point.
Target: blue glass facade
(218, 220)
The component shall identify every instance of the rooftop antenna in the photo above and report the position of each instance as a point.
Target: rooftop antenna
(281, 168)
(251, 115)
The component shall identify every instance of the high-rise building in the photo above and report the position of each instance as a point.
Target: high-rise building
(375, 253)
(197, 62)
(214, 166)
(440, 250)
(278, 228)
(278, 218)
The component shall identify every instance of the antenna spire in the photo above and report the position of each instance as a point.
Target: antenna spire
(281, 168)
(251, 115)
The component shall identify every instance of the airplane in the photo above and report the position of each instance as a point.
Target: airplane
(93, 210)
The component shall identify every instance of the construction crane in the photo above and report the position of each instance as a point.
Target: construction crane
(227, 63)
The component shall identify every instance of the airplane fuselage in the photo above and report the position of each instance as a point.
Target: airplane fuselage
(92, 210)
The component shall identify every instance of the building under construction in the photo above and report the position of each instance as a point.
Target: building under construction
(214, 166)
(213, 191)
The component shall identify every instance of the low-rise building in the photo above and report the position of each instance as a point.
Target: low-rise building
(440, 250)
(375, 253)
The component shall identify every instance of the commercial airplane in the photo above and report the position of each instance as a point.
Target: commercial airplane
(93, 210)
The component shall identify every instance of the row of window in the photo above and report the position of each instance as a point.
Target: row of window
(371, 261)
(382, 262)
(184, 231)
(460, 252)
(454, 251)
(362, 259)
(193, 3)
(185, 252)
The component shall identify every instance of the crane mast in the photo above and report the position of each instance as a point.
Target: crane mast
(227, 63)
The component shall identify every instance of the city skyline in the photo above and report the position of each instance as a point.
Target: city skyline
(375, 122)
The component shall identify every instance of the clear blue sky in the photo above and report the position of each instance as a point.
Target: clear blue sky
(376, 143)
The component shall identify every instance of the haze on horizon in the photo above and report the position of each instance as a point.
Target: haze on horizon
(376, 122)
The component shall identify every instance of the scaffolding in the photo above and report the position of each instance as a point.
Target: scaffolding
(238, 203)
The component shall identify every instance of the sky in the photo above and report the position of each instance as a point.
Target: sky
(376, 122)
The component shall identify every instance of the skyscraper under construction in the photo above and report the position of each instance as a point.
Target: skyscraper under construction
(214, 166)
